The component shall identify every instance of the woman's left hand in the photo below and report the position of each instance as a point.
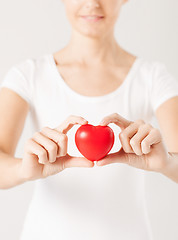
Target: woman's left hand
(142, 145)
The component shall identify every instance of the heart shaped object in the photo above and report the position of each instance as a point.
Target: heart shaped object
(94, 142)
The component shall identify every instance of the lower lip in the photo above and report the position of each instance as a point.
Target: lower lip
(93, 19)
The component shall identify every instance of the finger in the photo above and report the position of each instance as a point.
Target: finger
(137, 139)
(117, 119)
(153, 137)
(70, 122)
(128, 133)
(71, 161)
(46, 143)
(60, 139)
(35, 148)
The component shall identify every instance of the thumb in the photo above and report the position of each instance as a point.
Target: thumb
(72, 161)
(118, 157)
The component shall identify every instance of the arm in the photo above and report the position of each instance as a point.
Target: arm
(167, 116)
(9, 171)
(13, 112)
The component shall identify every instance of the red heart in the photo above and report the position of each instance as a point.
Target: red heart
(94, 142)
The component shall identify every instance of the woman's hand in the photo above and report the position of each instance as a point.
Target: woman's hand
(142, 145)
(45, 153)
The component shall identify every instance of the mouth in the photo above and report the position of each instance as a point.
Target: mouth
(93, 18)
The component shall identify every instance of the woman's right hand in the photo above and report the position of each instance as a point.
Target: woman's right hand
(45, 153)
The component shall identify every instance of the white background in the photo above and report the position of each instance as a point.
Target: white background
(146, 28)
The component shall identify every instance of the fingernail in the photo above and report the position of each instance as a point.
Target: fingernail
(84, 121)
(99, 163)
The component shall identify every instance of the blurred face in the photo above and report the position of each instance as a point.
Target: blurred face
(94, 18)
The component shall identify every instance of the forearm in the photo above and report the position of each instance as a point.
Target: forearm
(9, 171)
(171, 170)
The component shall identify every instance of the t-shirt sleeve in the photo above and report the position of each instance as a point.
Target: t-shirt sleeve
(15, 80)
(164, 85)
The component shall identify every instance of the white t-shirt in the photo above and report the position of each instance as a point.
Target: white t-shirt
(99, 203)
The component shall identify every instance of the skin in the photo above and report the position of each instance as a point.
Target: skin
(93, 43)
(142, 145)
(93, 63)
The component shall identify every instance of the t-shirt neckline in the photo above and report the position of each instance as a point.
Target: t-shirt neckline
(81, 97)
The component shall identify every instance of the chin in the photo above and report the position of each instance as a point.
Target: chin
(93, 33)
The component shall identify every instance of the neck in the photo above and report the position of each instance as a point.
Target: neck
(90, 51)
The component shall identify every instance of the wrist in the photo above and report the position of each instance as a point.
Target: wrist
(20, 175)
(170, 170)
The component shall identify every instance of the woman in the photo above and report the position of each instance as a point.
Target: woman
(94, 80)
